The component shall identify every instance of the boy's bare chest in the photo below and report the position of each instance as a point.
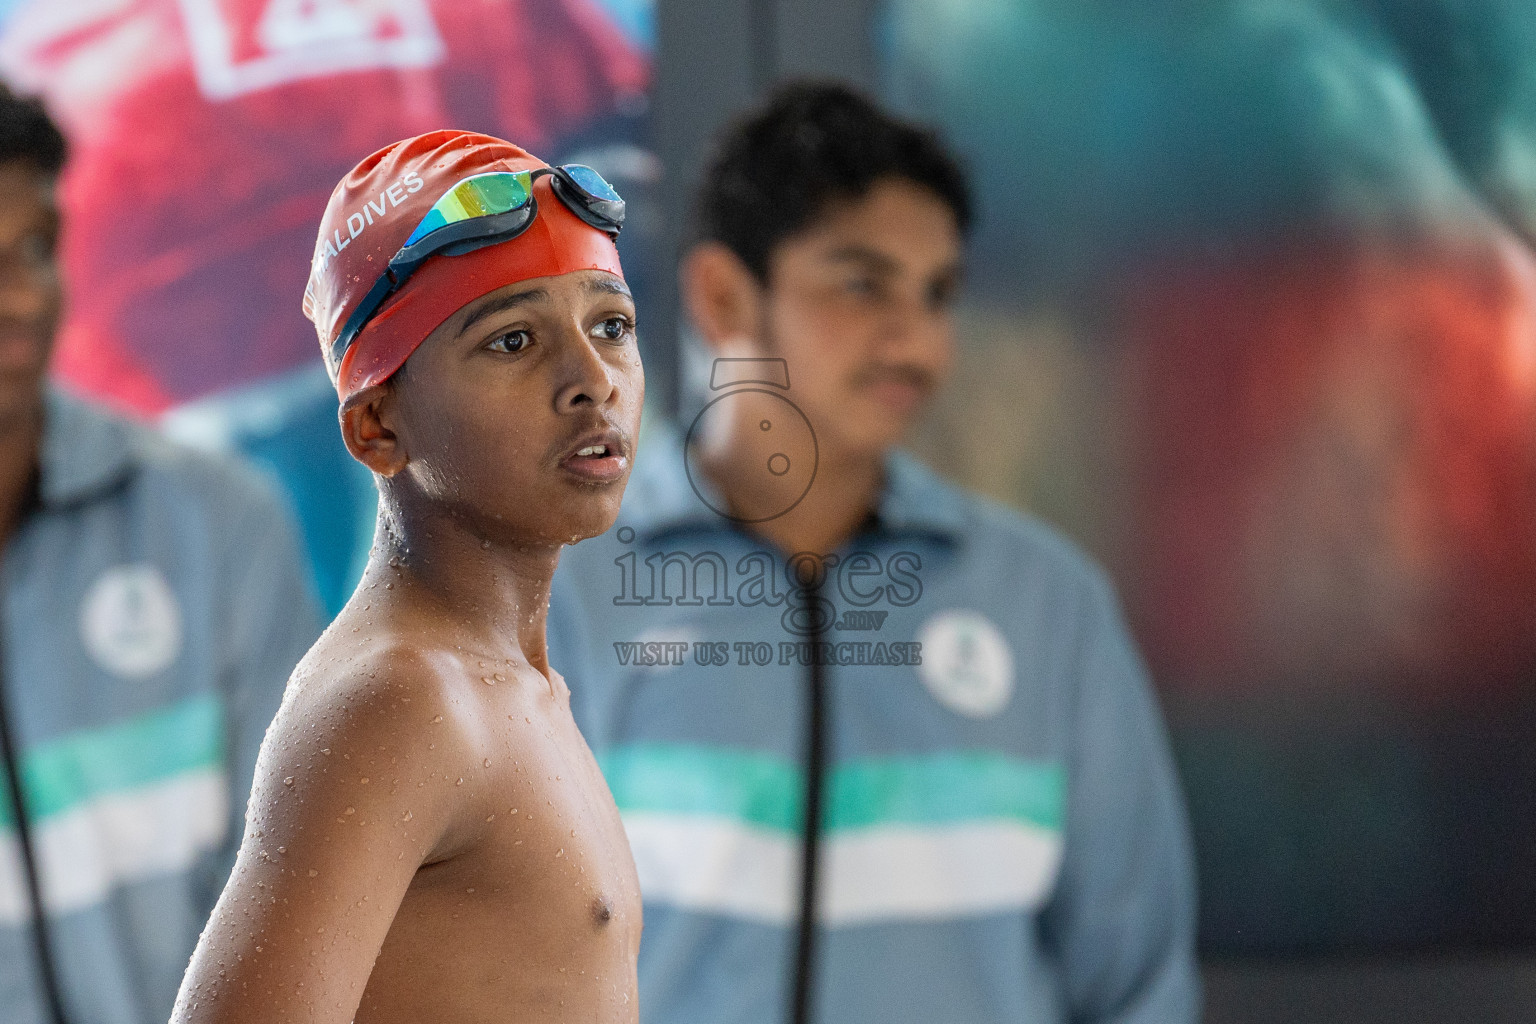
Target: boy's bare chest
(553, 847)
(562, 811)
(540, 907)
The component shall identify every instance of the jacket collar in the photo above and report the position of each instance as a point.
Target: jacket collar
(85, 452)
(662, 498)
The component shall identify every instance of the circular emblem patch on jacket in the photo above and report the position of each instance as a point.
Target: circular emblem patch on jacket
(130, 621)
(966, 664)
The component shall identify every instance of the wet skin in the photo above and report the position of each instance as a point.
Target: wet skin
(429, 838)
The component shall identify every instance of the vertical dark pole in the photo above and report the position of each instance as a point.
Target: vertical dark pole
(827, 39)
(764, 28)
(706, 61)
(48, 974)
(803, 988)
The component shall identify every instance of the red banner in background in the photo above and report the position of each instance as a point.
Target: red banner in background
(208, 134)
(1335, 464)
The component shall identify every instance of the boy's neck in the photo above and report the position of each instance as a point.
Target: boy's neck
(497, 590)
(845, 491)
(18, 467)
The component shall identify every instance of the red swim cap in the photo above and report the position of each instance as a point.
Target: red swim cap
(376, 207)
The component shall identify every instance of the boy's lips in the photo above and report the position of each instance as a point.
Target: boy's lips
(599, 457)
(902, 396)
(900, 392)
(20, 350)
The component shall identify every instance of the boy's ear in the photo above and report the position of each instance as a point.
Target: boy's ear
(367, 419)
(720, 293)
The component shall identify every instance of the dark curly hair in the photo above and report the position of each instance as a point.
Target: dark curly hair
(812, 144)
(28, 134)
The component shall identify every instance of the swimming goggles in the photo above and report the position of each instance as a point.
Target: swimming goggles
(482, 210)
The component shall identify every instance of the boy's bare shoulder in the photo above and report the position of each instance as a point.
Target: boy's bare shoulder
(415, 694)
(375, 729)
(377, 682)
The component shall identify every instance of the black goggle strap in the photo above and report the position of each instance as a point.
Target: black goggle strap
(371, 302)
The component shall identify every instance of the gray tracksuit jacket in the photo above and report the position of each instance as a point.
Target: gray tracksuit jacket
(154, 604)
(1004, 836)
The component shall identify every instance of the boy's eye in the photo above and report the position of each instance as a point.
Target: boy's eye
(511, 341)
(37, 249)
(32, 253)
(941, 294)
(612, 329)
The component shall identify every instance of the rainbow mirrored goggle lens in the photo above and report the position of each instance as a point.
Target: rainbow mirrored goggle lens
(482, 210)
(484, 195)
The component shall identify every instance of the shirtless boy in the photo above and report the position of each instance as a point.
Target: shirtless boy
(429, 838)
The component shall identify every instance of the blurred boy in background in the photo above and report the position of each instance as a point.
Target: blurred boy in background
(154, 603)
(826, 685)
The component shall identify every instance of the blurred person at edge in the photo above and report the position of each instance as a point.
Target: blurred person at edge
(154, 604)
(1003, 837)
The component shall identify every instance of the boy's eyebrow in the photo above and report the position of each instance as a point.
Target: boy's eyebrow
(502, 304)
(607, 285)
(507, 302)
(877, 261)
